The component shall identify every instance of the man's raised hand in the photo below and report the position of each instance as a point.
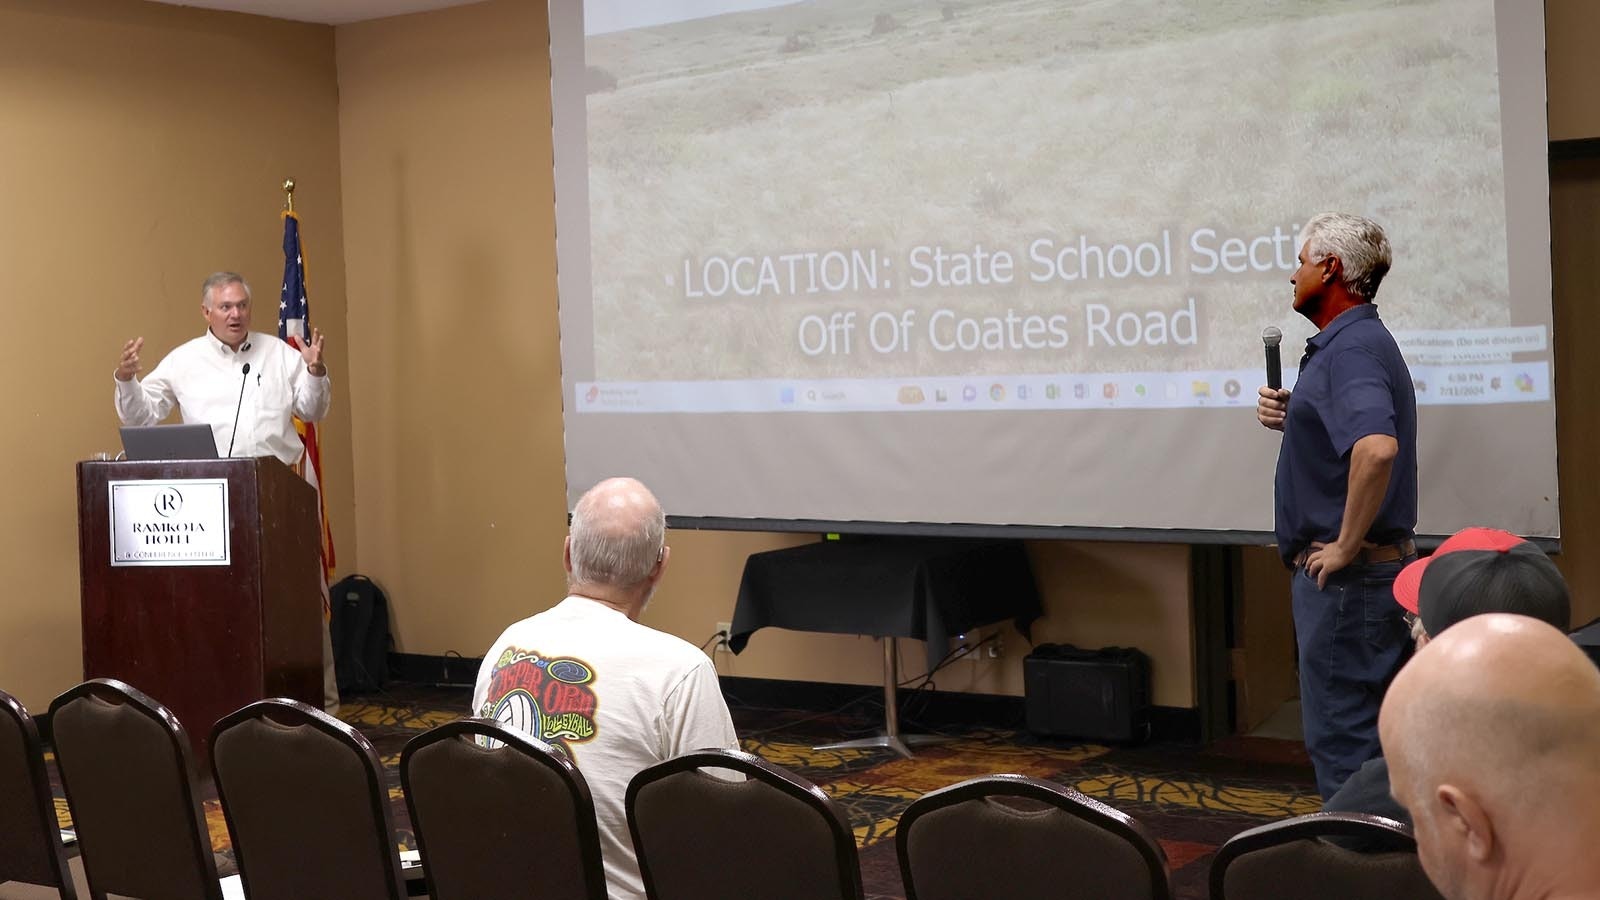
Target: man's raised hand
(128, 366)
(311, 352)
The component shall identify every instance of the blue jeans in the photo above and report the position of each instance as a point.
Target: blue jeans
(1352, 641)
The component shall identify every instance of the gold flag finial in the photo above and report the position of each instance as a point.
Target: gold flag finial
(288, 194)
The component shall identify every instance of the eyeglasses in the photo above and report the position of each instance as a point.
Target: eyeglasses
(1414, 625)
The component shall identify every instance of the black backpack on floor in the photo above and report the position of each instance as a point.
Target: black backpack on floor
(358, 626)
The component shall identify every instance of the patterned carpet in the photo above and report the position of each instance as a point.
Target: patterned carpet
(1190, 798)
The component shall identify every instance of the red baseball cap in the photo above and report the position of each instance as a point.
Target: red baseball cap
(1409, 580)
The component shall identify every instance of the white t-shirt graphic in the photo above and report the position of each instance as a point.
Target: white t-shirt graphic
(617, 696)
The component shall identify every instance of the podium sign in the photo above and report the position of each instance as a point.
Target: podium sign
(170, 522)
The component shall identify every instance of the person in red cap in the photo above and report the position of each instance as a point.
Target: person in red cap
(1496, 571)
(1475, 571)
(1492, 733)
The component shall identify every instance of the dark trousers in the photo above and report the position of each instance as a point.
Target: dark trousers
(1352, 641)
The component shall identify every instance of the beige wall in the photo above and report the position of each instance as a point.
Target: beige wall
(1572, 67)
(451, 253)
(137, 143)
(141, 148)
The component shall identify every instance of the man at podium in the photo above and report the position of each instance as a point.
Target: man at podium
(246, 385)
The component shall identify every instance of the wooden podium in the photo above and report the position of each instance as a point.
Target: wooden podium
(201, 584)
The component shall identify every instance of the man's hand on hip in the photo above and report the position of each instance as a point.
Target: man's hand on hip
(1323, 561)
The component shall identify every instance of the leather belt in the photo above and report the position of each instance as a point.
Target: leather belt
(1371, 553)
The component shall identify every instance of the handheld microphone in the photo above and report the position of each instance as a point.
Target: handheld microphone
(244, 379)
(1271, 337)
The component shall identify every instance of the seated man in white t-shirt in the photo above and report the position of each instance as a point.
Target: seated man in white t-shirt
(616, 695)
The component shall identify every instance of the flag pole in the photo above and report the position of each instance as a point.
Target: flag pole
(288, 195)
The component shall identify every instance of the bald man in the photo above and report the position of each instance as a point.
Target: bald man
(1493, 738)
(616, 695)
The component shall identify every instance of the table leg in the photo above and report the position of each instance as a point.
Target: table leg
(891, 739)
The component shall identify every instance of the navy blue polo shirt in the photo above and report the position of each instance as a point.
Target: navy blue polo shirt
(1353, 383)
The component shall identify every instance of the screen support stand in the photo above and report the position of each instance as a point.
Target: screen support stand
(891, 739)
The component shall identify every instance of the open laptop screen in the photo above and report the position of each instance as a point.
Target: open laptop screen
(157, 442)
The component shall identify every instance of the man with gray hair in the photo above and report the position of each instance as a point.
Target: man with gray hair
(230, 368)
(1346, 492)
(615, 695)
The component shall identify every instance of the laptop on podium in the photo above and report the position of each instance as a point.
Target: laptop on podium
(160, 442)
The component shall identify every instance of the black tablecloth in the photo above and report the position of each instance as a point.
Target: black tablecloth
(925, 588)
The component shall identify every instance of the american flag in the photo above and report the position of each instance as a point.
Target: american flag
(294, 326)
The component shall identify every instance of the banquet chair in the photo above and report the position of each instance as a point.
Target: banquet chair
(1291, 860)
(481, 795)
(31, 852)
(701, 834)
(128, 775)
(303, 796)
(1035, 839)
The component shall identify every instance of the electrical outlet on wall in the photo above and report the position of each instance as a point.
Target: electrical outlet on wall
(971, 650)
(724, 630)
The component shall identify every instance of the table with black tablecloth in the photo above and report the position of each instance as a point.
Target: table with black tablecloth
(925, 588)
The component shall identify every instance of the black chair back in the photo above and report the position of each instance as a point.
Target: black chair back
(129, 779)
(30, 837)
(1035, 839)
(304, 799)
(482, 796)
(1290, 860)
(770, 834)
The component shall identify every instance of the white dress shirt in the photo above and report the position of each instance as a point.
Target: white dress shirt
(204, 378)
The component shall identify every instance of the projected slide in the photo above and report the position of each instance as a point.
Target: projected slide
(856, 227)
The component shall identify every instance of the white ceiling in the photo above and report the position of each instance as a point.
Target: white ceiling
(327, 12)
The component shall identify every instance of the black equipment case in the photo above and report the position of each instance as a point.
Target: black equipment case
(1096, 694)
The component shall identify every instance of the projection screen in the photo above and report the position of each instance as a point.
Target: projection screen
(832, 264)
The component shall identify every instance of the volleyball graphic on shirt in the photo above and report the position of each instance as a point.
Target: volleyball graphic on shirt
(551, 698)
(518, 710)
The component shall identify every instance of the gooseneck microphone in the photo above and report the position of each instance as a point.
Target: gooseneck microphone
(1272, 337)
(244, 378)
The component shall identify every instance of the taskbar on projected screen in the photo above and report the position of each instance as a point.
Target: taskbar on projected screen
(1483, 383)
